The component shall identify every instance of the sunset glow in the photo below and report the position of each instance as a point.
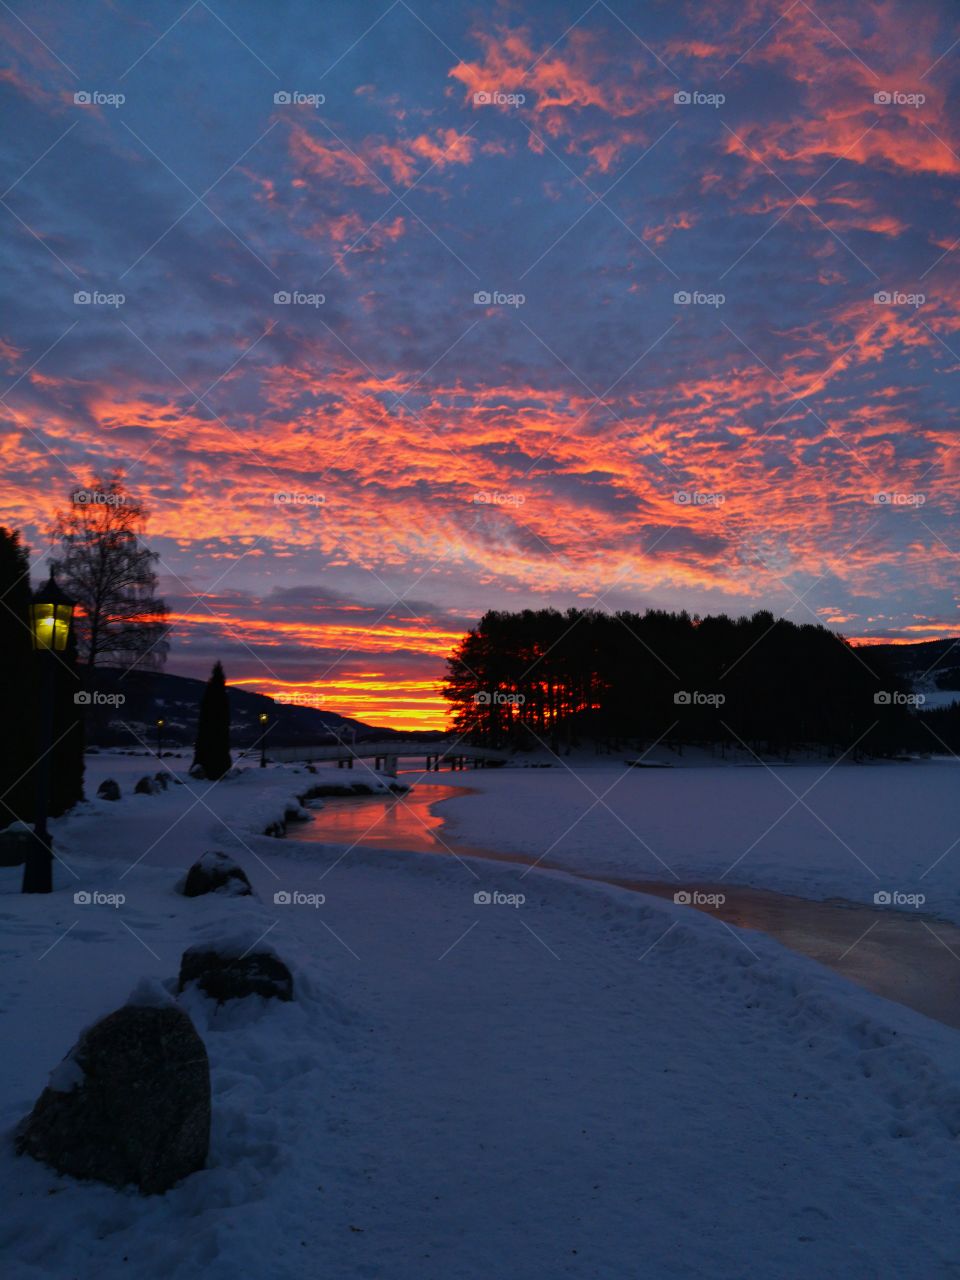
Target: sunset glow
(536, 307)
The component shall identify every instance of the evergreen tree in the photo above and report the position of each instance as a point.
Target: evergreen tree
(540, 678)
(212, 753)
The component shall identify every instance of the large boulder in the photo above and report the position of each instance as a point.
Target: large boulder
(130, 1104)
(226, 971)
(216, 873)
(145, 787)
(108, 790)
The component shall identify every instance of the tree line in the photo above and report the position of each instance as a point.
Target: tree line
(561, 679)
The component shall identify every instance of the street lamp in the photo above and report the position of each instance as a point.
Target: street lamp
(160, 724)
(264, 722)
(51, 615)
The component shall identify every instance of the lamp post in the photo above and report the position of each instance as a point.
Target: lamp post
(264, 724)
(51, 615)
(160, 724)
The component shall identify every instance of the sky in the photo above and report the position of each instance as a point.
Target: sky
(393, 313)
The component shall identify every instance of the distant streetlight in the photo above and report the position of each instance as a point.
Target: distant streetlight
(264, 725)
(160, 724)
(51, 615)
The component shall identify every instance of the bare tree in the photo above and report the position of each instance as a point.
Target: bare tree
(104, 563)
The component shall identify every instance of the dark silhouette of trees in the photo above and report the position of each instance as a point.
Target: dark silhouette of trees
(544, 678)
(105, 566)
(212, 753)
(19, 745)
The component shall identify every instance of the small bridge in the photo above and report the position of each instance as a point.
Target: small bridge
(385, 754)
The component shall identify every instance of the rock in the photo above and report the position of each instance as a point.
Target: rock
(15, 843)
(216, 873)
(108, 790)
(129, 1104)
(162, 780)
(224, 972)
(145, 787)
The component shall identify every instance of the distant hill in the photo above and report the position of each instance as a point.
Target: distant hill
(930, 667)
(149, 696)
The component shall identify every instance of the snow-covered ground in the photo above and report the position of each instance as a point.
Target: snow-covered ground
(592, 1083)
(818, 831)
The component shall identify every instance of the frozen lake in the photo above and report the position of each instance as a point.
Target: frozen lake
(902, 953)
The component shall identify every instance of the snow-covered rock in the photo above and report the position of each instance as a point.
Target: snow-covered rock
(129, 1104)
(216, 872)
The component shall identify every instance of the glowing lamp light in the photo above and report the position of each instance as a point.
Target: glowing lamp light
(51, 613)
